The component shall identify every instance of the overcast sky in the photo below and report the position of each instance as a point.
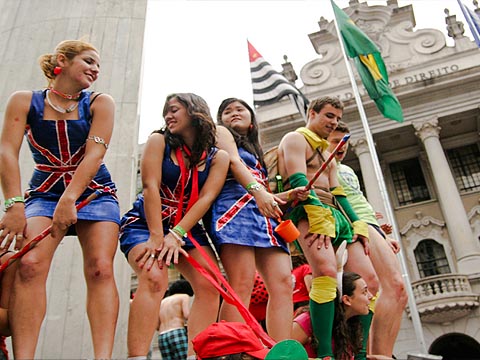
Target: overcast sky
(200, 46)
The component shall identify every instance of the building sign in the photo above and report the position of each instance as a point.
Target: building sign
(409, 79)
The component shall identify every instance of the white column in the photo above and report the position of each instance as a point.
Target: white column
(466, 248)
(29, 29)
(372, 191)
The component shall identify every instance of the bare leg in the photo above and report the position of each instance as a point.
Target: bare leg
(99, 242)
(28, 299)
(144, 308)
(239, 264)
(6, 278)
(324, 278)
(206, 300)
(274, 266)
(393, 296)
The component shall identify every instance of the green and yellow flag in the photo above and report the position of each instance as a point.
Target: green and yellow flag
(369, 64)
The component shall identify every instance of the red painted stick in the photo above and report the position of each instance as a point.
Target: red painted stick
(34, 242)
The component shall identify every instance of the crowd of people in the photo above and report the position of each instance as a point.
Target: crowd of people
(205, 192)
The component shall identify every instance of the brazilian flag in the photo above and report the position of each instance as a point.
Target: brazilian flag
(369, 64)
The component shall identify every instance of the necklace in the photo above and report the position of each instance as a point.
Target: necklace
(59, 108)
(66, 96)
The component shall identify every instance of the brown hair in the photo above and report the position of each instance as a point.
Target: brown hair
(205, 130)
(342, 127)
(69, 48)
(318, 104)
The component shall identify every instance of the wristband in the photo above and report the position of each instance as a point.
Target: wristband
(10, 202)
(254, 186)
(288, 195)
(179, 230)
(177, 236)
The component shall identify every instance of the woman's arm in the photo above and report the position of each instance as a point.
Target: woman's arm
(103, 111)
(209, 192)
(13, 222)
(151, 172)
(264, 199)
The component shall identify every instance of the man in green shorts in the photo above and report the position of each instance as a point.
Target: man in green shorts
(322, 226)
(393, 297)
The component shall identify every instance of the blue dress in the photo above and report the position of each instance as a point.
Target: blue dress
(134, 228)
(235, 217)
(58, 147)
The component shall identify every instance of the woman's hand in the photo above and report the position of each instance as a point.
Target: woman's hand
(64, 216)
(149, 254)
(268, 204)
(13, 225)
(171, 248)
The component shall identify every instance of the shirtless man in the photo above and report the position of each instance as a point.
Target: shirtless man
(393, 296)
(173, 314)
(322, 226)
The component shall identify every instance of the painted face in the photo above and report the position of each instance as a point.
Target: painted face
(84, 68)
(334, 139)
(237, 117)
(325, 122)
(176, 117)
(360, 298)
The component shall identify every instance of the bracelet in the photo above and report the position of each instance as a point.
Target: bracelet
(9, 202)
(176, 236)
(98, 140)
(288, 195)
(254, 186)
(179, 230)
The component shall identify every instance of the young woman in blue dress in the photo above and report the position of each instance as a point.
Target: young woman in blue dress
(243, 220)
(182, 174)
(68, 130)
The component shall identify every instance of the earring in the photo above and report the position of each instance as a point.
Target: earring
(57, 70)
(250, 127)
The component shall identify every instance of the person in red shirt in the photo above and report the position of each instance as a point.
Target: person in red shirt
(302, 281)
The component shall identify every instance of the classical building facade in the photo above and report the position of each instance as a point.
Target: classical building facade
(430, 162)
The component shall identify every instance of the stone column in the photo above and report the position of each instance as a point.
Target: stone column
(460, 233)
(29, 29)
(373, 194)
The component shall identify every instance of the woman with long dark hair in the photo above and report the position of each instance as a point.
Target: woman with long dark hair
(243, 221)
(182, 174)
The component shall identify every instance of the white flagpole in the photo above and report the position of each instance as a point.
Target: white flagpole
(417, 325)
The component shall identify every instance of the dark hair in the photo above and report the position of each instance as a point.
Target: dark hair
(318, 104)
(342, 127)
(347, 334)
(180, 286)
(238, 356)
(69, 48)
(250, 142)
(202, 121)
(298, 260)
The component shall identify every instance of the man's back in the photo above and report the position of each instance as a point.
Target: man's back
(174, 311)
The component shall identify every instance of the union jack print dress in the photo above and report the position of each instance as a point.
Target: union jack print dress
(134, 228)
(235, 217)
(58, 147)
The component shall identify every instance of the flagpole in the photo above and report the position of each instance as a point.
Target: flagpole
(417, 325)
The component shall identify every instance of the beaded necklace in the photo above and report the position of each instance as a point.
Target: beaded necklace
(59, 108)
(66, 96)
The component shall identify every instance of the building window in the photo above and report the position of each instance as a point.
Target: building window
(408, 181)
(465, 162)
(431, 258)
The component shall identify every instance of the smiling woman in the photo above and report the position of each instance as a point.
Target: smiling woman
(68, 129)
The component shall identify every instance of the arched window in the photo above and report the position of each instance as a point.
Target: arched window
(431, 258)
